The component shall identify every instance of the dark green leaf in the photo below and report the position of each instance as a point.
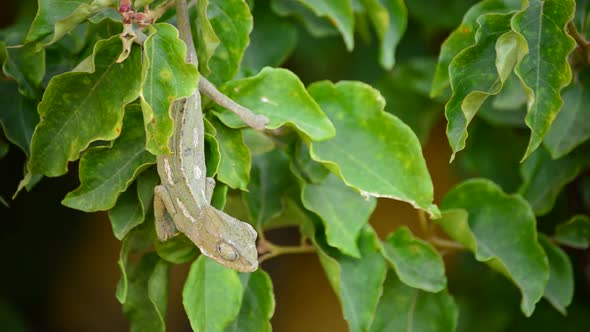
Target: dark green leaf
(27, 66)
(206, 41)
(279, 95)
(373, 151)
(560, 287)
(147, 298)
(258, 304)
(18, 116)
(339, 13)
(402, 308)
(544, 178)
(168, 78)
(317, 26)
(342, 209)
(219, 197)
(545, 70)
(177, 250)
(416, 262)
(106, 172)
(574, 233)
(269, 181)
(480, 71)
(81, 107)
(257, 142)
(212, 295)
(389, 18)
(4, 147)
(500, 230)
(572, 124)
(235, 160)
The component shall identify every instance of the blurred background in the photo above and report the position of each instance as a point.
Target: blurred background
(59, 266)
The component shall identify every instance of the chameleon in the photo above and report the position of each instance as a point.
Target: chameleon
(182, 202)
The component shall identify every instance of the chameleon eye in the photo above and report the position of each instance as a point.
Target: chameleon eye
(227, 251)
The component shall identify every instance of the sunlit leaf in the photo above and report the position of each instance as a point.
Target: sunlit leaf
(373, 151)
(235, 160)
(258, 304)
(206, 41)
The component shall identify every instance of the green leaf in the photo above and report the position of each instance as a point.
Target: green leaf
(257, 142)
(464, 36)
(205, 39)
(4, 148)
(507, 108)
(58, 17)
(342, 209)
(560, 287)
(279, 95)
(357, 282)
(235, 160)
(574, 233)
(416, 262)
(268, 182)
(480, 71)
(147, 298)
(389, 18)
(544, 178)
(232, 22)
(168, 78)
(545, 70)
(384, 158)
(339, 13)
(105, 172)
(260, 52)
(177, 250)
(27, 66)
(219, 198)
(305, 168)
(18, 116)
(403, 308)
(315, 25)
(258, 304)
(499, 229)
(80, 107)
(212, 295)
(133, 204)
(572, 124)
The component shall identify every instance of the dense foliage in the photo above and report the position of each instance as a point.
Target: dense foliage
(512, 73)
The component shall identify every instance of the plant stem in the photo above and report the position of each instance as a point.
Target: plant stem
(284, 250)
(580, 40)
(445, 244)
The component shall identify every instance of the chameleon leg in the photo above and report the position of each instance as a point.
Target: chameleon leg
(163, 208)
(209, 187)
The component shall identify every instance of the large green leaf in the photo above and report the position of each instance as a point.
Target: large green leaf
(212, 295)
(545, 70)
(18, 116)
(258, 304)
(480, 71)
(58, 17)
(389, 18)
(357, 282)
(339, 13)
(574, 233)
(147, 298)
(560, 287)
(235, 160)
(133, 204)
(416, 262)
(232, 22)
(279, 95)
(342, 209)
(464, 36)
(499, 229)
(373, 151)
(403, 308)
(572, 124)
(205, 39)
(168, 78)
(269, 181)
(106, 172)
(177, 250)
(81, 107)
(544, 178)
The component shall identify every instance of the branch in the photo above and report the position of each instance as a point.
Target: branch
(255, 121)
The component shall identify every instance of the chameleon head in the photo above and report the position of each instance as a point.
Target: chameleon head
(231, 242)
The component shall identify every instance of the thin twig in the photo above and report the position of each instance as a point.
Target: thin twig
(256, 121)
(445, 244)
(580, 40)
(280, 250)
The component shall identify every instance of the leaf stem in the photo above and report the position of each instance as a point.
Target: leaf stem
(445, 244)
(255, 121)
(583, 44)
(270, 250)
